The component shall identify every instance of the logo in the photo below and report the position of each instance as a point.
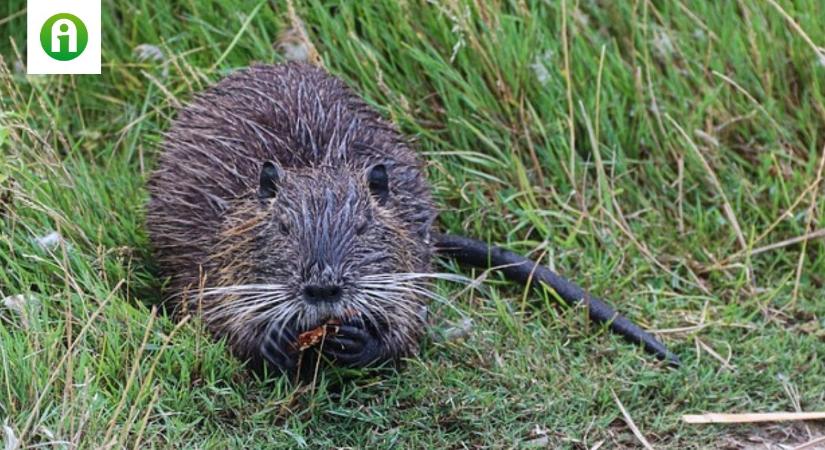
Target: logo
(64, 37)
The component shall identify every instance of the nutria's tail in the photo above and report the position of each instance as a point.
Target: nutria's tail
(520, 269)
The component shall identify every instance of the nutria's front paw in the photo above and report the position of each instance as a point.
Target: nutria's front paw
(278, 348)
(354, 346)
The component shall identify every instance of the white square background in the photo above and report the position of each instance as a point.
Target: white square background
(38, 62)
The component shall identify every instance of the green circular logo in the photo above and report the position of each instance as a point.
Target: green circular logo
(64, 37)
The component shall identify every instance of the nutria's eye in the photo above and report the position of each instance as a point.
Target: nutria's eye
(379, 182)
(269, 179)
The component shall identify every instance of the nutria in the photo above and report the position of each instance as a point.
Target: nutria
(282, 201)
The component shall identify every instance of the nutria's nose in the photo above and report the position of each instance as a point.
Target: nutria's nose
(327, 293)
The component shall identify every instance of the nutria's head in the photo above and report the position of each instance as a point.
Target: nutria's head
(282, 198)
(315, 244)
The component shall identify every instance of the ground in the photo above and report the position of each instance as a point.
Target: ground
(668, 155)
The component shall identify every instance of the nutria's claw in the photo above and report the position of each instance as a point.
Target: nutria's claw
(278, 348)
(353, 346)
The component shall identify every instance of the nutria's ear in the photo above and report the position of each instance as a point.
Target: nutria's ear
(379, 182)
(270, 177)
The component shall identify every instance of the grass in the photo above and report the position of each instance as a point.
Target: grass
(654, 151)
